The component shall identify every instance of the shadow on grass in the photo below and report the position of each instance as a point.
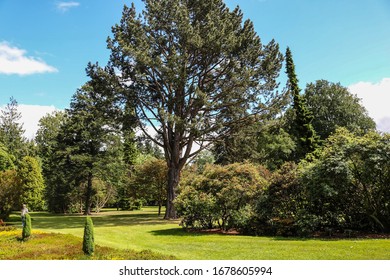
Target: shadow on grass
(184, 232)
(175, 232)
(42, 220)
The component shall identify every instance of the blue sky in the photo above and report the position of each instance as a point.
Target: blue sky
(45, 46)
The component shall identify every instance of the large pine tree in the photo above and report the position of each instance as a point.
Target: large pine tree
(186, 64)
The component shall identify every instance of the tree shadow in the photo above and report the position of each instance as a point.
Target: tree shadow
(174, 232)
(295, 238)
(61, 221)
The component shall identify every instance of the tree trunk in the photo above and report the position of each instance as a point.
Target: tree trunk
(173, 182)
(159, 208)
(88, 198)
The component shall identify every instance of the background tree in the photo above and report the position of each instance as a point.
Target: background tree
(86, 134)
(302, 128)
(238, 145)
(274, 145)
(334, 106)
(46, 140)
(149, 181)
(11, 131)
(185, 63)
(47, 135)
(6, 160)
(202, 159)
(31, 183)
(9, 192)
(89, 143)
(129, 125)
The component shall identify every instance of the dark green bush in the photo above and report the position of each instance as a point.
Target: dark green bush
(131, 204)
(137, 204)
(88, 240)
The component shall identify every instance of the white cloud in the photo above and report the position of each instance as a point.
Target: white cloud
(66, 6)
(14, 61)
(31, 114)
(376, 99)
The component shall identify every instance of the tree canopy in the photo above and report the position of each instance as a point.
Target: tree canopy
(334, 106)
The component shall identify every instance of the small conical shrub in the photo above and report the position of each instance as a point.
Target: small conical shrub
(88, 240)
(26, 226)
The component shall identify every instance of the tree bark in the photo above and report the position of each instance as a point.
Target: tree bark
(88, 195)
(173, 182)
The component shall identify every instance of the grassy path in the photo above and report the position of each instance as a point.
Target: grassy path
(143, 230)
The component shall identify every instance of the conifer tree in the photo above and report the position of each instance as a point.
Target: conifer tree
(307, 139)
(11, 131)
(89, 139)
(185, 64)
(26, 232)
(32, 186)
(88, 240)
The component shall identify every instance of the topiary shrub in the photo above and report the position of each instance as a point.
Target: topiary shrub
(88, 240)
(26, 232)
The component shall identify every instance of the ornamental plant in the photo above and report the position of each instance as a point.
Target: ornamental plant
(26, 232)
(88, 240)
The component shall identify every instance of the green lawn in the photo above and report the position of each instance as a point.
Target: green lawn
(143, 230)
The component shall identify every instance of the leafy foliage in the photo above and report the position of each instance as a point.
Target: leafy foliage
(31, 183)
(274, 145)
(9, 192)
(149, 181)
(282, 209)
(348, 185)
(220, 195)
(6, 159)
(334, 106)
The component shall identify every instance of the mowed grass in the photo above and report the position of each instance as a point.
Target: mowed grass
(144, 230)
(56, 246)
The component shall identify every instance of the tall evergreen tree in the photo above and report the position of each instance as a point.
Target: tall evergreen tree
(88, 238)
(185, 63)
(88, 140)
(302, 129)
(11, 131)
